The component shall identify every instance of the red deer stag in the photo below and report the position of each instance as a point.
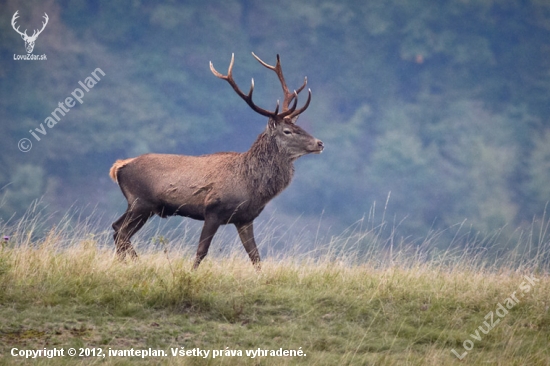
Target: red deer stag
(221, 188)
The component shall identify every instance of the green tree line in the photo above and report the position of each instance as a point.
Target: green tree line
(444, 104)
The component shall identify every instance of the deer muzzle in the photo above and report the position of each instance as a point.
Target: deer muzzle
(319, 147)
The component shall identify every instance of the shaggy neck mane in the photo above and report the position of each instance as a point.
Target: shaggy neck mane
(267, 169)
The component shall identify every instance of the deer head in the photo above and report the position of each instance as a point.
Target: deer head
(281, 125)
(29, 41)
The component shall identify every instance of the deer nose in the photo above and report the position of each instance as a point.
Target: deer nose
(320, 145)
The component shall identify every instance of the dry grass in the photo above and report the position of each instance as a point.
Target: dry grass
(401, 306)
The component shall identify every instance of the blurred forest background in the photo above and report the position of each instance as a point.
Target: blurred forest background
(445, 104)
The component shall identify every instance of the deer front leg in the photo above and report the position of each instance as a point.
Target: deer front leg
(209, 229)
(246, 233)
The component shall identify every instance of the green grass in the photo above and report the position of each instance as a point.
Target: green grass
(66, 289)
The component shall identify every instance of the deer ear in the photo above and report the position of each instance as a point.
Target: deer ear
(23, 36)
(293, 119)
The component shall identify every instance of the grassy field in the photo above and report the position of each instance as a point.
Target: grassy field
(65, 291)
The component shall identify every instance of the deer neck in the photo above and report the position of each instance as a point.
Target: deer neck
(267, 170)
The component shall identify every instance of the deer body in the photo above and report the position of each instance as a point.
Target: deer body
(221, 188)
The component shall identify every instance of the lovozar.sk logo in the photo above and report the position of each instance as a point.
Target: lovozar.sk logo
(29, 40)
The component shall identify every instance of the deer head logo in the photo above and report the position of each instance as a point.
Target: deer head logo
(29, 41)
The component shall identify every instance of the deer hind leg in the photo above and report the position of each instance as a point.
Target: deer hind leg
(125, 227)
(209, 229)
(246, 233)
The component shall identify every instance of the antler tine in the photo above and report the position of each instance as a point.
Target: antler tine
(246, 97)
(266, 64)
(302, 87)
(290, 110)
(276, 109)
(297, 91)
(302, 110)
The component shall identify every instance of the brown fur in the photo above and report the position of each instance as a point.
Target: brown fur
(113, 173)
(219, 189)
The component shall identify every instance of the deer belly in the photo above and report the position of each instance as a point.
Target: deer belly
(237, 212)
(193, 212)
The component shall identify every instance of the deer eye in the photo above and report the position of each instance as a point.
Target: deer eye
(286, 131)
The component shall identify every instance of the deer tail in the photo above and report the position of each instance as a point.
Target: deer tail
(113, 173)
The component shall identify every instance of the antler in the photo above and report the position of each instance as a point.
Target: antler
(291, 112)
(34, 34)
(288, 96)
(43, 26)
(15, 16)
(246, 97)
